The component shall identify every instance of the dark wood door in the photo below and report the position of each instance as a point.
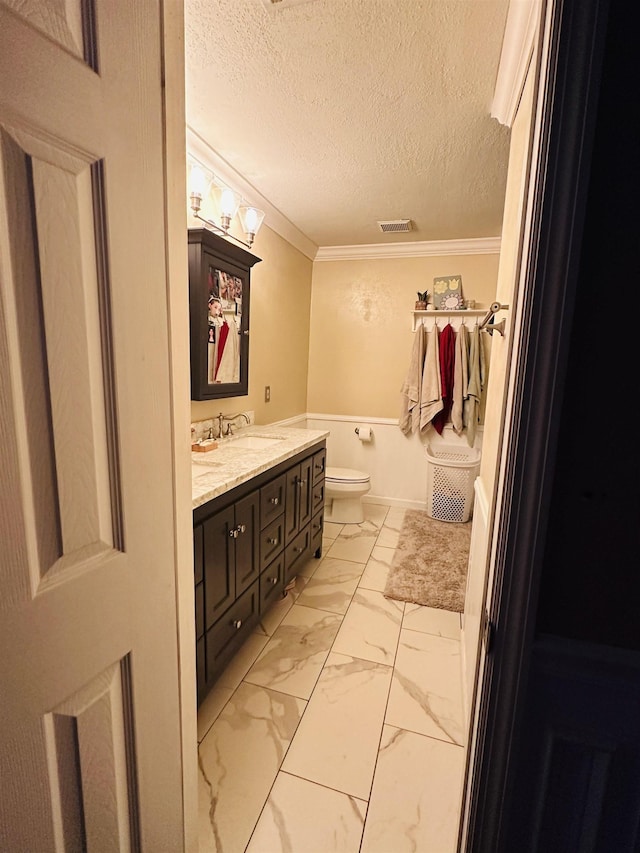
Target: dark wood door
(219, 563)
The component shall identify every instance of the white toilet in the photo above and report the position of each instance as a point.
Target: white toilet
(344, 488)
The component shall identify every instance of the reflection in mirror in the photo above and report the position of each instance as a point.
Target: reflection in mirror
(224, 317)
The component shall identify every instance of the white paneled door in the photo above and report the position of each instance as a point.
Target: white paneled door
(89, 700)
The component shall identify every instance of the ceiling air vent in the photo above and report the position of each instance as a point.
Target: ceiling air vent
(395, 226)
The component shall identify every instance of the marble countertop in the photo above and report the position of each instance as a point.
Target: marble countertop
(230, 464)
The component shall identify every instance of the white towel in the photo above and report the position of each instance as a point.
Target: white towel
(471, 405)
(409, 420)
(431, 392)
(460, 378)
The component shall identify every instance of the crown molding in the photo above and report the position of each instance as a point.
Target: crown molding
(517, 48)
(432, 248)
(202, 151)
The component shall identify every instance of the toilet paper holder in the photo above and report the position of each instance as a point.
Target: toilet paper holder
(357, 431)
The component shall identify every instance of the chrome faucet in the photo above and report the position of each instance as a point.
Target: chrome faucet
(230, 420)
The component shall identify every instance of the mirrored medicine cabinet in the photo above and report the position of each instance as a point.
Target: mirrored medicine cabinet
(219, 301)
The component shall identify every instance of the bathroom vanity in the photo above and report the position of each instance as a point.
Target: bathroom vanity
(258, 505)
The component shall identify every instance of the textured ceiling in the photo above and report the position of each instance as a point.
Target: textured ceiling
(344, 112)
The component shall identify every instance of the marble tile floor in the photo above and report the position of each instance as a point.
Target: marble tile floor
(338, 726)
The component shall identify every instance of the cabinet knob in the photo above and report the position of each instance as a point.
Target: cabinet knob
(273, 581)
(233, 533)
(273, 541)
(274, 501)
(301, 483)
(237, 624)
(298, 550)
(241, 528)
(318, 466)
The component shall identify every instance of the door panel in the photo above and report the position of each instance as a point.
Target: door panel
(88, 673)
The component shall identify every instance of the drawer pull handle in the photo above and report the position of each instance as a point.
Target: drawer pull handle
(241, 528)
(274, 501)
(237, 624)
(318, 467)
(273, 541)
(298, 550)
(273, 581)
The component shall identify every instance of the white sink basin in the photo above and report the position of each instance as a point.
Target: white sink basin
(255, 442)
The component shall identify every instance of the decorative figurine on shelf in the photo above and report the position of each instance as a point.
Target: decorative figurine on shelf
(423, 298)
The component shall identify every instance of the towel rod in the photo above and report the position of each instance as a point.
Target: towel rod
(487, 326)
(484, 325)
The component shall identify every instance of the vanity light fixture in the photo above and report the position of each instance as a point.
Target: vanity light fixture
(226, 203)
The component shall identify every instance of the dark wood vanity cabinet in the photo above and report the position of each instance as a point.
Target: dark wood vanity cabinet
(248, 545)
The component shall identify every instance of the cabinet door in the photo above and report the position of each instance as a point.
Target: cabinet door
(306, 492)
(292, 504)
(198, 554)
(219, 564)
(247, 541)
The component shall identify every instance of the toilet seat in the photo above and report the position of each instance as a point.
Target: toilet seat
(345, 475)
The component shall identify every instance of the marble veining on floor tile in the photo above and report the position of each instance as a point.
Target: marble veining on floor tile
(293, 657)
(302, 816)
(270, 620)
(430, 620)
(239, 760)
(390, 531)
(426, 690)
(377, 569)
(338, 737)
(356, 545)
(332, 585)
(415, 800)
(371, 627)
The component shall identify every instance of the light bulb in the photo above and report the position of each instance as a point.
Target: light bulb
(197, 180)
(251, 220)
(228, 203)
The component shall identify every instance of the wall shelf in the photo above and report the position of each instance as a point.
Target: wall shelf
(462, 316)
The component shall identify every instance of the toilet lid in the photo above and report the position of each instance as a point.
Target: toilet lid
(346, 475)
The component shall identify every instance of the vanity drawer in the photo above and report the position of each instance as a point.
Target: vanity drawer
(200, 610)
(271, 583)
(319, 465)
(296, 553)
(225, 637)
(317, 497)
(317, 526)
(272, 500)
(271, 541)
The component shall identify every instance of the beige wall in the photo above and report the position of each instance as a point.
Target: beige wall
(361, 339)
(279, 335)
